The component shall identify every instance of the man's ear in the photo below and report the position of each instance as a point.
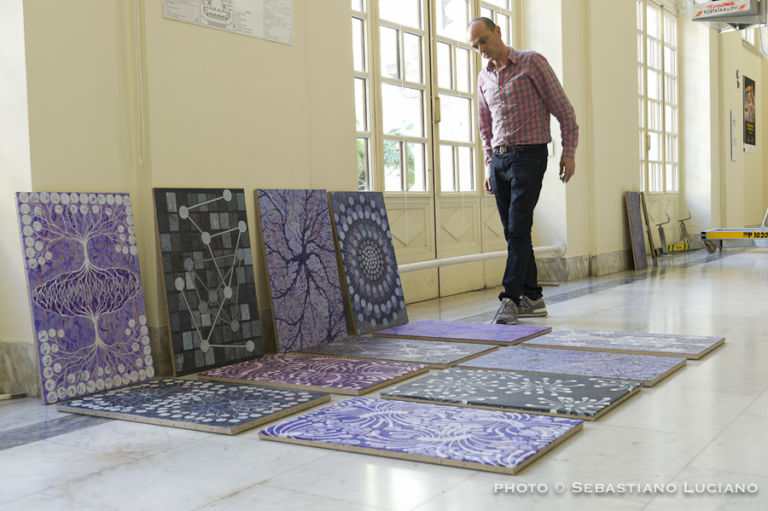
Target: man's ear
(497, 30)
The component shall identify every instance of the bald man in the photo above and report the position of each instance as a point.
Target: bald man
(516, 93)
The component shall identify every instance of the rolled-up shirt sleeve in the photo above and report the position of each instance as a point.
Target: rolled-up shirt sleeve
(485, 125)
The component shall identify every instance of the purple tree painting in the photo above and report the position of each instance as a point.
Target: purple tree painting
(85, 292)
(301, 262)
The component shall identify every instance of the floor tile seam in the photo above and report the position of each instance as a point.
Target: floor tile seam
(311, 494)
(36, 432)
(95, 450)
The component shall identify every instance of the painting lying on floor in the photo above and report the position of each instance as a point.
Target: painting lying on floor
(337, 375)
(209, 285)
(85, 291)
(464, 437)
(689, 346)
(368, 257)
(466, 332)
(565, 396)
(301, 262)
(204, 406)
(595, 364)
(433, 353)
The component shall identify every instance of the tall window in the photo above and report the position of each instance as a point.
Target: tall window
(414, 77)
(657, 98)
(748, 35)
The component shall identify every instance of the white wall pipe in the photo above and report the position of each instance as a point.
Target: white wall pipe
(558, 250)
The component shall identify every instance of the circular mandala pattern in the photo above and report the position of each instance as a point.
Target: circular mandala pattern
(369, 260)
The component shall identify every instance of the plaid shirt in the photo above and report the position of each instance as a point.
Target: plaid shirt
(515, 104)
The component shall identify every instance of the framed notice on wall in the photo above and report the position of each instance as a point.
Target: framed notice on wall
(749, 116)
(264, 19)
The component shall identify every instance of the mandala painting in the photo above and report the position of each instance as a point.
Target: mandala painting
(301, 262)
(466, 332)
(465, 437)
(434, 354)
(85, 291)
(214, 317)
(190, 404)
(643, 368)
(674, 345)
(569, 396)
(370, 266)
(337, 375)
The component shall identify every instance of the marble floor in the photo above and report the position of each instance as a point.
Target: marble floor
(698, 439)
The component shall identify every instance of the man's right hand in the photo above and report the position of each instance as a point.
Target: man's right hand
(488, 188)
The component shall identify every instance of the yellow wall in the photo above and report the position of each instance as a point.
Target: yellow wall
(15, 320)
(221, 110)
(225, 110)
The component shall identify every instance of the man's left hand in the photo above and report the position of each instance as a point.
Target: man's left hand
(567, 168)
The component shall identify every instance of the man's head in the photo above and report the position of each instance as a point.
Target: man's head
(485, 37)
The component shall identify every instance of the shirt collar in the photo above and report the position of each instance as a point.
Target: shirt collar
(512, 58)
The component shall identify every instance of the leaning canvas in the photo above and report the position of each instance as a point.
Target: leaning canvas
(85, 292)
(368, 256)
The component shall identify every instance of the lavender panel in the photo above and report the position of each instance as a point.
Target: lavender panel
(85, 292)
(689, 346)
(433, 353)
(208, 269)
(370, 266)
(334, 374)
(301, 262)
(585, 398)
(481, 439)
(209, 406)
(644, 368)
(470, 332)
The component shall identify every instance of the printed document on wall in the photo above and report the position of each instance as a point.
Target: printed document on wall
(265, 19)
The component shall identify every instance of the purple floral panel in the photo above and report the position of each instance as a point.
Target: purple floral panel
(481, 439)
(85, 292)
(370, 266)
(596, 364)
(339, 375)
(301, 262)
(674, 345)
(466, 332)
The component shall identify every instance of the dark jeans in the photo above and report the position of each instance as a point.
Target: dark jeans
(516, 179)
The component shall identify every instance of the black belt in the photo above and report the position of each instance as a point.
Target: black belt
(504, 149)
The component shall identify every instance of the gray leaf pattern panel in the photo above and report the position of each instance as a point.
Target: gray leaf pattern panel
(480, 439)
(209, 406)
(597, 364)
(585, 398)
(689, 346)
(368, 256)
(434, 353)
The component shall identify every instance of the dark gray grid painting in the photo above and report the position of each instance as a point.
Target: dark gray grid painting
(209, 281)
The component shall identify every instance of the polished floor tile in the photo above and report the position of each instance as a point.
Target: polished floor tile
(705, 424)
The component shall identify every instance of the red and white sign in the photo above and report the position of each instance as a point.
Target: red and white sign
(725, 8)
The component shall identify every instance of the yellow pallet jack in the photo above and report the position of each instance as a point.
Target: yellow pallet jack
(747, 233)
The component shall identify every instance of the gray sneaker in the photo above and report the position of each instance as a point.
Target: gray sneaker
(507, 313)
(530, 308)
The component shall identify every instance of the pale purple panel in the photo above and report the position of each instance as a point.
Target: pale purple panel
(332, 373)
(484, 438)
(692, 346)
(596, 364)
(301, 261)
(459, 331)
(85, 292)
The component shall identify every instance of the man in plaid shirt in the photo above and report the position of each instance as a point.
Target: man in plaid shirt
(517, 92)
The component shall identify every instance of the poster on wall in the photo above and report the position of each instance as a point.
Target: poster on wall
(264, 19)
(749, 115)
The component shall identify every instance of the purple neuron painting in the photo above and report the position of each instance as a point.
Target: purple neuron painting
(338, 375)
(85, 292)
(597, 364)
(466, 332)
(301, 262)
(481, 439)
(370, 265)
